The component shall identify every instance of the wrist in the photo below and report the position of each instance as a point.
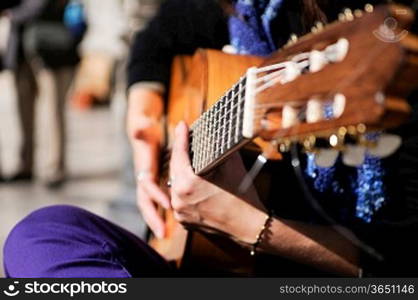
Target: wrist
(247, 224)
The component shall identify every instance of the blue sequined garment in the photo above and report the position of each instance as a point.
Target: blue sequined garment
(250, 33)
(249, 27)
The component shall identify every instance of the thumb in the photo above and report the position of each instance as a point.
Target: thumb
(180, 156)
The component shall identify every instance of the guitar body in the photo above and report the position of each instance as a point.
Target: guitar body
(196, 83)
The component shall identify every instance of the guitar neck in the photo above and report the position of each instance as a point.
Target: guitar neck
(219, 131)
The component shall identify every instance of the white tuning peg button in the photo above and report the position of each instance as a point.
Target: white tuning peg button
(338, 105)
(338, 51)
(314, 111)
(326, 158)
(386, 145)
(353, 155)
(317, 61)
(290, 73)
(290, 116)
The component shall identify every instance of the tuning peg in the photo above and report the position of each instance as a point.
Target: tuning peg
(341, 17)
(380, 98)
(290, 116)
(314, 111)
(317, 61)
(284, 145)
(352, 130)
(354, 155)
(369, 8)
(348, 13)
(319, 25)
(293, 38)
(336, 141)
(338, 51)
(326, 158)
(309, 143)
(361, 128)
(290, 73)
(338, 105)
(358, 13)
(386, 145)
(342, 132)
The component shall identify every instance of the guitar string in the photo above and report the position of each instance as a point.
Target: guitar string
(238, 96)
(301, 61)
(228, 100)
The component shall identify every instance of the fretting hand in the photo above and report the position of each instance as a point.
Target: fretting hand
(211, 203)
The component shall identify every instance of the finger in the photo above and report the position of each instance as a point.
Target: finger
(151, 215)
(180, 160)
(155, 192)
(145, 157)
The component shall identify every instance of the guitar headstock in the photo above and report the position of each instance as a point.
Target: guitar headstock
(331, 87)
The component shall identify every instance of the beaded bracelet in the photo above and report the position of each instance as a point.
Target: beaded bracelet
(261, 234)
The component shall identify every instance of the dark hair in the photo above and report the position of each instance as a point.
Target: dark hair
(313, 11)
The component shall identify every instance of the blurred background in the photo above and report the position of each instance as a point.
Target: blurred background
(62, 107)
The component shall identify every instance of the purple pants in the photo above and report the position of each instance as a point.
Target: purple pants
(68, 242)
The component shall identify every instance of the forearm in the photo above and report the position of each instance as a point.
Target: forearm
(318, 246)
(146, 101)
(321, 247)
(144, 125)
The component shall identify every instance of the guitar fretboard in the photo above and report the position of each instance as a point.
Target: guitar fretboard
(219, 129)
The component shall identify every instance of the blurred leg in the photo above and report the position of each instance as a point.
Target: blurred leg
(61, 80)
(68, 242)
(26, 95)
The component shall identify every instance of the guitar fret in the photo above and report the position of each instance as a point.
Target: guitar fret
(209, 128)
(199, 145)
(211, 136)
(217, 125)
(195, 141)
(193, 147)
(222, 123)
(205, 135)
(227, 132)
(219, 128)
(238, 118)
(202, 141)
(211, 115)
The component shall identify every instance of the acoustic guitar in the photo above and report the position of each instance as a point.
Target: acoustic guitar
(329, 87)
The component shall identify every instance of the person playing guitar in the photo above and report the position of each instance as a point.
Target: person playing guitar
(286, 231)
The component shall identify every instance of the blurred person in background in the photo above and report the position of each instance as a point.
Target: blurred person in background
(4, 36)
(101, 76)
(41, 42)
